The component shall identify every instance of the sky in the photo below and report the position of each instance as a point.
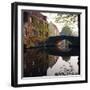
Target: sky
(51, 18)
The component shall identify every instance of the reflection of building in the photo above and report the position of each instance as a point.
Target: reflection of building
(53, 30)
(35, 28)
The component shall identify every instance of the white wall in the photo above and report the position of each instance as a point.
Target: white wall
(5, 45)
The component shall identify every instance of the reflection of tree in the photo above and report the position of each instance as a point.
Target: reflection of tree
(35, 62)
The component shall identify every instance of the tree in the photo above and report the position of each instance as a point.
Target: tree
(75, 33)
(67, 19)
(66, 30)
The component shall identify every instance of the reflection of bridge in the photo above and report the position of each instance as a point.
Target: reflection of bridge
(72, 50)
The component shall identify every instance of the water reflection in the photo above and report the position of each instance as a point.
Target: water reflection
(37, 62)
(64, 66)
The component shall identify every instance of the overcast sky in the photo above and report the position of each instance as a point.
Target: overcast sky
(51, 18)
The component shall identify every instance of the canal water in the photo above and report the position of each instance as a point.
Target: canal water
(37, 62)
